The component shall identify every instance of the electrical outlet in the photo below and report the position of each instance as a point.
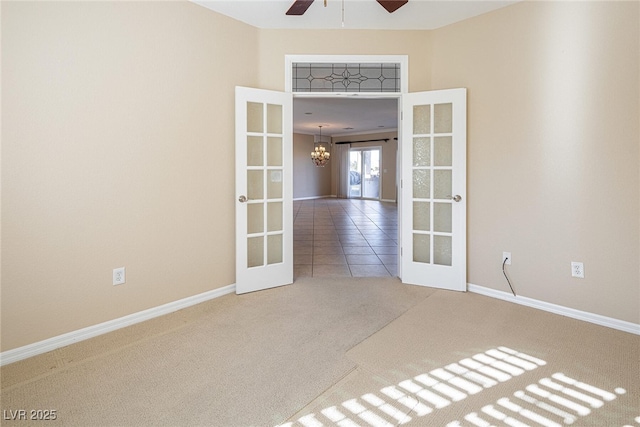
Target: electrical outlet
(118, 276)
(577, 270)
(507, 256)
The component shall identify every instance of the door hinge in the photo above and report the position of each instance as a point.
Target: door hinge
(401, 252)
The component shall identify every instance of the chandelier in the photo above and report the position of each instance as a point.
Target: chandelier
(320, 155)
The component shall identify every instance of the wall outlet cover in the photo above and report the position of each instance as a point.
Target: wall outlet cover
(507, 256)
(118, 276)
(577, 270)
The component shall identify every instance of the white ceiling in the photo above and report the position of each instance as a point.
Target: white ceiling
(358, 14)
(362, 115)
(337, 115)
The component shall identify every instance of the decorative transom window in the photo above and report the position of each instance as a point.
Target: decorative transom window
(346, 73)
(345, 77)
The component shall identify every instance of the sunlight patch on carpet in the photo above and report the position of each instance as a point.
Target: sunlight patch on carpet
(551, 402)
(566, 410)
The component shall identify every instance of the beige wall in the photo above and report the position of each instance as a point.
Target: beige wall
(389, 153)
(309, 180)
(552, 149)
(117, 150)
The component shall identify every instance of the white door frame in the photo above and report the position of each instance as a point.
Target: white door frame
(403, 60)
(399, 96)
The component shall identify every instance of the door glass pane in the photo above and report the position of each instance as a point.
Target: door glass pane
(442, 184)
(274, 249)
(422, 216)
(274, 216)
(442, 217)
(255, 251)
(274, 118)
(255, 185)
(442, 151)
(421, 119)
(442, 250)
(274, 151)
(421, 184)
(422, 151)
(442, 118)
(254, 151)
(421, 248)
(274, 184)
(254, 117)
(255, 218)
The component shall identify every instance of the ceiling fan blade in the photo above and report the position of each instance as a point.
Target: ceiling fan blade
(392, 5)
(299, 7)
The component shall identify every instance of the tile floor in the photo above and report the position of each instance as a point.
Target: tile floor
(345, 238)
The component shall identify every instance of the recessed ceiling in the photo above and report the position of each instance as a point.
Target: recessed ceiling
(343, 116)
(358, 14)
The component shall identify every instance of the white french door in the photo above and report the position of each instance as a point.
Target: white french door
(264, 190)
(433, 189)
(433, 214)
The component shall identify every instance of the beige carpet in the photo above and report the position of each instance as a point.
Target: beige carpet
(469, 360)
(367, 352)
(233, 361)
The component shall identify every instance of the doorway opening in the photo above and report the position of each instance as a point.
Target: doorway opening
(433, 164)
(357, 222)
(350, 231)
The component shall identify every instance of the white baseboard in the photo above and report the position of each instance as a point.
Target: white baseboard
(54, 343)
(297, 199)
(609, 322)
(311, 198)
(60, 341)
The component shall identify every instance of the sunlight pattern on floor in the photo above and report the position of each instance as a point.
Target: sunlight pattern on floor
(427, 392)
(548, 397)
(554, 401)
